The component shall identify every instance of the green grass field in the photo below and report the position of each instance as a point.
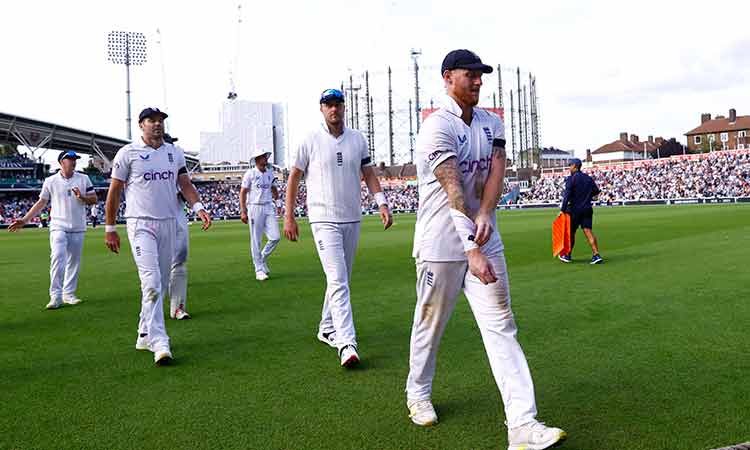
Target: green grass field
(648, 351)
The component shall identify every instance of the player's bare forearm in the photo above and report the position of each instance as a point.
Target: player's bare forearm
(493, 187)
(448, 175)
(188, 189)
(35, 208)
(90, 199)
(371, 180)
(113, 201)
(292, 187)
(243, 199)
(274, 192)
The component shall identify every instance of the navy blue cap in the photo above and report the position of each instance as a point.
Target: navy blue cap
(70, 154)
(148, 112)
(575, 162)
(331, 95)
(464, 59)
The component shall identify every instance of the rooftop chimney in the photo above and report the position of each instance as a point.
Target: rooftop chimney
(733, 115)
(634, 139)
(650, 139)
(588, 155)
(624, 137)
(705, 117)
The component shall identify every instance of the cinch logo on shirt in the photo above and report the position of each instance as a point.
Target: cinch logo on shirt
(158, 176)
(474, 165)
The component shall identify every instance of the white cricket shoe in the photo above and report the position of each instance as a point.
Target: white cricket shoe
(261, 276)
(422, 413)
(181, 314)
(327, 338)
(534, 436)
(162, 357)
(54, 303)
(71, 299)
(349, 356)
(143, 343)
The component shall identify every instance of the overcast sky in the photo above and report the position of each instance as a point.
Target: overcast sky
(643, 66)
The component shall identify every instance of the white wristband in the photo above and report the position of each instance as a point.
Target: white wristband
(465, 228)
(380, 199)
(110, 228)
(197, 207)
(279, 203)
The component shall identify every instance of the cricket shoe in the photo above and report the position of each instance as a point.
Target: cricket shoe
(54, 303)
(596, 259)
(349, 356)
(261, 276)
(534, 436)
(565, 258)
(422, 413)
(181, 314)
(142, 342)
(163, 357)
(328, 338)
(71, 300)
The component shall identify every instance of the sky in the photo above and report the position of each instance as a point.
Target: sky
(643, 66)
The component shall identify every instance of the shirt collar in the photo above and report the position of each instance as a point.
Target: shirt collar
(324, 125)
(450, 105)
(140, 144)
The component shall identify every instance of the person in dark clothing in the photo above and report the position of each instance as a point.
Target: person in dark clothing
(580, 190)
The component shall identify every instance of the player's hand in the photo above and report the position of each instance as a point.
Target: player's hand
(480, 266)
(76, 192)
(386, 217)
(16, 225)
(279, 212)
(206, 218)
(484, 229)
(291, 231)
(243, 217)
(112, 240)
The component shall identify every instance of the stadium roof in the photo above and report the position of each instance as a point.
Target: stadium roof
(37, 134)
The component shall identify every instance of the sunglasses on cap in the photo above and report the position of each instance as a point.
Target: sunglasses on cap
(330, 95)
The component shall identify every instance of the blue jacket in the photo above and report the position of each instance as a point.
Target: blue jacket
(580, 190)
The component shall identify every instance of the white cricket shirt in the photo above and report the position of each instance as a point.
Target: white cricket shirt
(443, 135)
(151, 177)
(333, 174)
(258, 185)
(67, 212)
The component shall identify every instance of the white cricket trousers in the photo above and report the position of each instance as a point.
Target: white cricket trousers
(337, 245)
(65, 262)
(262, 220)
(152, 243)
(178, 273)
(438, 286)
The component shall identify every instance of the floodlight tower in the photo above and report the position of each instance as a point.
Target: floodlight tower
(127, 48)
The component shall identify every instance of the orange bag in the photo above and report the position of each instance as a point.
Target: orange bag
(561, 235)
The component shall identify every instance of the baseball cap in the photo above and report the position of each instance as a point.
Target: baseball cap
(464, 59)
(575, 162)
(330, 95)
(148, 112)
(70, 154)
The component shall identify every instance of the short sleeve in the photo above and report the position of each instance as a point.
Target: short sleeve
(121, 165)
(498, 131)
(436, 143)
(364, 151)
(89, 188)
(46, 194)
(302, 158)
(180, 160)
(247, 179)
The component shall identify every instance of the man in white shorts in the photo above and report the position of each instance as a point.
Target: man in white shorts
(460, 168)
(149, 171)
(333, 160)
(69, 192)
(259, 205)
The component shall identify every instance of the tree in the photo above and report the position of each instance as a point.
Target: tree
(8, 150)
